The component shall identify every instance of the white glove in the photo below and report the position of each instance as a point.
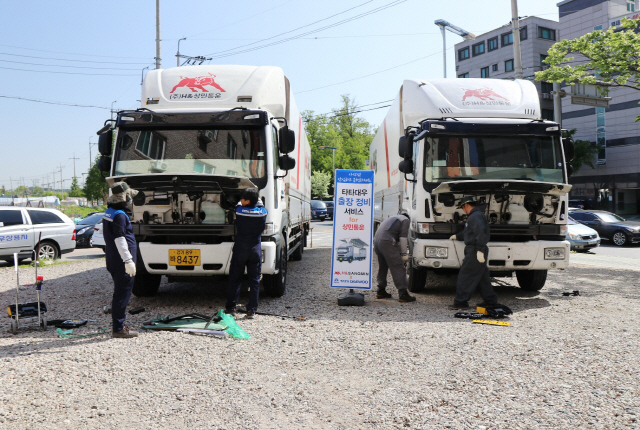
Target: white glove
(480, 257)
(123, 248)
(454, 237)
(406, 257)
(130, 268)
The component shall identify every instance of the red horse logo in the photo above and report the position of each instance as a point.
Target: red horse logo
(199, 82)
(482, 94)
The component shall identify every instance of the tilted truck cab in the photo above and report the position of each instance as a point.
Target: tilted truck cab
(446, 139)
(201, 136)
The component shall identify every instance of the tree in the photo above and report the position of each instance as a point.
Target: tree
(320, 185)
(75, 190)
(584, 153)
(3, 191)
(96, 187)
(610, 58)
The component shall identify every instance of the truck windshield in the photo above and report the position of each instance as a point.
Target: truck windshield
(207, 151)
(450, 158)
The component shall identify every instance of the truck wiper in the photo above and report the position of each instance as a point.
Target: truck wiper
(458, 178)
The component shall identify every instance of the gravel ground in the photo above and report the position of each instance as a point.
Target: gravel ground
(565, 362)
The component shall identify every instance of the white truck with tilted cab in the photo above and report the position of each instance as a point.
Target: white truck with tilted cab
(445, 139)
(201, 136)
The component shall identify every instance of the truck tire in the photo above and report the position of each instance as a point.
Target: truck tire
(276, 284)
(531, 280)
(416, 279)
(144, 283)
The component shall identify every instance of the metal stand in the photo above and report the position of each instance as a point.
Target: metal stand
(351, 299)
(27, 320)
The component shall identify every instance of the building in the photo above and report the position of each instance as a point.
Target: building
(614, 184)
(490, 55)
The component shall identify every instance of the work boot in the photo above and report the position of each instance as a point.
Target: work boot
(125, 333)
(382, 294)
(405, 297)
(230, 311)
(251, 315)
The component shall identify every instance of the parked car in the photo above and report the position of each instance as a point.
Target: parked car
(318, 210)
(98, 238)
(21, 227)
(581, 237)
(329, 209)
(84, 236)
(609, 226)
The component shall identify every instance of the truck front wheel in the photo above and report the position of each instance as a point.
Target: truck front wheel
(531, 280)
(275, 285)
(144, 283)
(416, 279)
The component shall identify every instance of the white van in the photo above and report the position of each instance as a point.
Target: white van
(20, 229)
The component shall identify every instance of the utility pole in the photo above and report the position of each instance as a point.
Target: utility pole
(61, 186)
(515, 32)
(74, 163)
(158, 60)
(90, 145)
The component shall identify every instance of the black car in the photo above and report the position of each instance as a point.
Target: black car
(329, 209)
(318, 210)
(85, 229)
(609, 226)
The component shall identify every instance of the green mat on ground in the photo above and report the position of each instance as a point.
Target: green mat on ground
(227, 324)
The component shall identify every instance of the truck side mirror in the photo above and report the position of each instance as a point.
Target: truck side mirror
(104, 164)
(569, 148)
(287, 140)
(286, 163)
(406, 166)
(405, 146)
(105, 143)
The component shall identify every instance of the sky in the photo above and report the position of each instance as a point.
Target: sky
(64, 65)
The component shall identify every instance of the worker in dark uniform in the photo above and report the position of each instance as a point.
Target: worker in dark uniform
(392, 247)
(474, 272)
(121, 253)
(251, 218)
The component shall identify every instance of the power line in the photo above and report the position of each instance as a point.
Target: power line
(70, 53)
(69, 73)
(336, 37)
(63, 59)
(52, 103)
(57, 65)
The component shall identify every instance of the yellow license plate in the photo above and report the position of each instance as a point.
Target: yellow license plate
(184, 257)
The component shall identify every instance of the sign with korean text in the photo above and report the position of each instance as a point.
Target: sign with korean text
(352, 229)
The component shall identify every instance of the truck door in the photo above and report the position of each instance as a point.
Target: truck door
(16, 235)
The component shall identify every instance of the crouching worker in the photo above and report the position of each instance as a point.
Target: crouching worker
(391, 246)
(251, 218)
(121, 253)
(474, 272)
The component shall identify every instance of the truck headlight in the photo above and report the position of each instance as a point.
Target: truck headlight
(563, 230)
(423, 228)
(436, 252)
(269, 229)
(554, 253)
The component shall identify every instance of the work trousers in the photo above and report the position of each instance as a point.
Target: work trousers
(472, 275)
(389, 258)
(242, 257)
(122, 285)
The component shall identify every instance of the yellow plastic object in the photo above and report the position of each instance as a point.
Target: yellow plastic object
(492, 322)
(482, 310)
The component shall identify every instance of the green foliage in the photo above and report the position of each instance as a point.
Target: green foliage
(320, 185)
(607, 57)
(585, 152)
(3, 190)
(81, 210)
(96, 187)
(75, 190)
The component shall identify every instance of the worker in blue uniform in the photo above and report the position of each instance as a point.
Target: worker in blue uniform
(121, 252)
(251, 218)
(474, 272)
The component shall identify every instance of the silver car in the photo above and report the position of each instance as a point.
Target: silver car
(20, 228)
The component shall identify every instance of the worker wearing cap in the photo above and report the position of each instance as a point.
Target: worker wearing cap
(474, 272)
(121, 251)
(392, 248)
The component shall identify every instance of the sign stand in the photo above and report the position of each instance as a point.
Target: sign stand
(352, 235)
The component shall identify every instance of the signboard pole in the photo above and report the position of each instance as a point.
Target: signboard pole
(352, 234)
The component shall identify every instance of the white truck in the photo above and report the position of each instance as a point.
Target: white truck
(352, 249)
(201, 136)
(449, 138)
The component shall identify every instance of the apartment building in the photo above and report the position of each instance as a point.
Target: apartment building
(490, 55)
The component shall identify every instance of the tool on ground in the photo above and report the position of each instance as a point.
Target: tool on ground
(495, 311)
(106, 309)
(470, 315)
(492, 322)
(216, 333)
(275, 315)
(571, 293)
(28, 315)
(195, 321)
(136, 310)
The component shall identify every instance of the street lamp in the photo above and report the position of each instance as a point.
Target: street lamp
(455, 30)
(142, 75)
(333, 157)
(178, 54)
(115, 101)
